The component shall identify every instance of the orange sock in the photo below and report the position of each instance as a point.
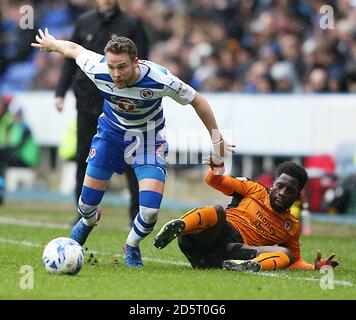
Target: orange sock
(199, 219)
(273, 260)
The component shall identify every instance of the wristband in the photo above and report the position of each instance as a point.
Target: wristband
(217, 141)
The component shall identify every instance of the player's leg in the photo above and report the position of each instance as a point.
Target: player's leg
(94, 187)
(101, 160)
(242, 257)
(151, 181)
(205, 222)
(200, 256)
(203, 249)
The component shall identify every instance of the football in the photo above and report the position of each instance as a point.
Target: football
(63, 256)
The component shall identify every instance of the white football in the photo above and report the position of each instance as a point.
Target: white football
(63, 256)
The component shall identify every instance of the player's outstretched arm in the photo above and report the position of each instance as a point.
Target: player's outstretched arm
(318, 263)
(47, 42)
(205, 113)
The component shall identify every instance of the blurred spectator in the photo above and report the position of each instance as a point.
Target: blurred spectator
(16, 40)
(212, 45)
(16, 47)
(17, 145)
(351, 78)
(318, 81)
(24, 150)
(284, 76)
(336, 199)
(6, 121)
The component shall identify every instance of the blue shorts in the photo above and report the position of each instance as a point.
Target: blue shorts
(111, 150)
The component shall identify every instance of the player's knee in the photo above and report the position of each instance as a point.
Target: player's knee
(91, 197)
(240, 251)
(288, 252)
(149, 215)
(188, 248)
(150, 202)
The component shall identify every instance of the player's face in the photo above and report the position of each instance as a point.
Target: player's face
(284, 192)
(122, 69)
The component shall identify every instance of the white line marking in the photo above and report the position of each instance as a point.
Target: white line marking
(6, 220)
(280, 274)
(38, 245)
(21, 243)
(28, 223)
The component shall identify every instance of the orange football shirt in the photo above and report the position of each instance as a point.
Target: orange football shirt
(253, 216)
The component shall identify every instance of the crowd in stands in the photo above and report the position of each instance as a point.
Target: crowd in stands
(249, 46)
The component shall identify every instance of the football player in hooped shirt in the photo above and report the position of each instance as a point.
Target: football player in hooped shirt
(131, 128)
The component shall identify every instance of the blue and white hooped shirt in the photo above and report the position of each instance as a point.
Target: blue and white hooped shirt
(133, 107)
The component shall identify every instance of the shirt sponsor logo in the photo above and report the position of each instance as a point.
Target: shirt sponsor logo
(265, 222)
(126, 105)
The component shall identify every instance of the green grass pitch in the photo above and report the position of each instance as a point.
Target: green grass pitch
(25, 229)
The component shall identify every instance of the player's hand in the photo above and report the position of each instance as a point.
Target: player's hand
(222, 148)
(217, 165)
(45, 41)
(325, 262)
(59, 103)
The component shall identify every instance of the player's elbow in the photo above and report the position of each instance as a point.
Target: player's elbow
(209, 178)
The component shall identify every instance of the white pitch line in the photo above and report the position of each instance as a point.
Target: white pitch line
(280, 274)
(37, 245)
(177, 263)
(21, 243)
(28, 223)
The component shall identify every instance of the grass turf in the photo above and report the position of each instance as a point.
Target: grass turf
(25, 230)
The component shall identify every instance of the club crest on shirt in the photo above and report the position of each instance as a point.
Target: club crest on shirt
(287, 224)
(92, 153)
(146, 93)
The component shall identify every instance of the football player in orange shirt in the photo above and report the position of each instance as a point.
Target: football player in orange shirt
(255, 232)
